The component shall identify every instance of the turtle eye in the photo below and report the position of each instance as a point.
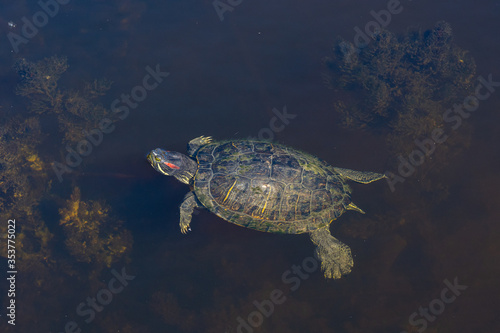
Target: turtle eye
(157, 159)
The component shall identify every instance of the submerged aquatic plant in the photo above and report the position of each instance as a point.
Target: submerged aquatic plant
(39, 82)
(20, 165)
(402, 85)
(93, 236)
(405, 81)
(27, 193)
(74, 110)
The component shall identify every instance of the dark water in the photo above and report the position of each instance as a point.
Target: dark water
(225, 78)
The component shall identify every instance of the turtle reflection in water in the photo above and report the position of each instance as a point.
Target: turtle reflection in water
(267, 187)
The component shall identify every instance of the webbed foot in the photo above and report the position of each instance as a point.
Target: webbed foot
(187, 207)
(335, 256)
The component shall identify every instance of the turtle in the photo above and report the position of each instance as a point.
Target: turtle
(268, 187)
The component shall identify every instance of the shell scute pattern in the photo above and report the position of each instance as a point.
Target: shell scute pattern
(268, 187)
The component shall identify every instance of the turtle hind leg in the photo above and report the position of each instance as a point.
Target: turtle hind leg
(187, 208)
(196, 143)
(335, 256)
(360, 176)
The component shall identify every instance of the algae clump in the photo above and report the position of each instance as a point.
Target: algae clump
(93, 236)
(400, 86)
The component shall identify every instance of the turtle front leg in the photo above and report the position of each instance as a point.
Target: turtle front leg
(187, 207)
(196, 143)
(335, 256)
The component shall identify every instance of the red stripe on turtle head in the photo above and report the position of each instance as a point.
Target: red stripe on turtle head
(170, 165)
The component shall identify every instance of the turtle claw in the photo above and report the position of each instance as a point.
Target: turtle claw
(205, 139)
(196, 143)
(185, 229)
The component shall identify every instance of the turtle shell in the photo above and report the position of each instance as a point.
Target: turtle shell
(268, 187)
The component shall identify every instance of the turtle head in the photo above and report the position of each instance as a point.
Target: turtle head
(171, 163)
